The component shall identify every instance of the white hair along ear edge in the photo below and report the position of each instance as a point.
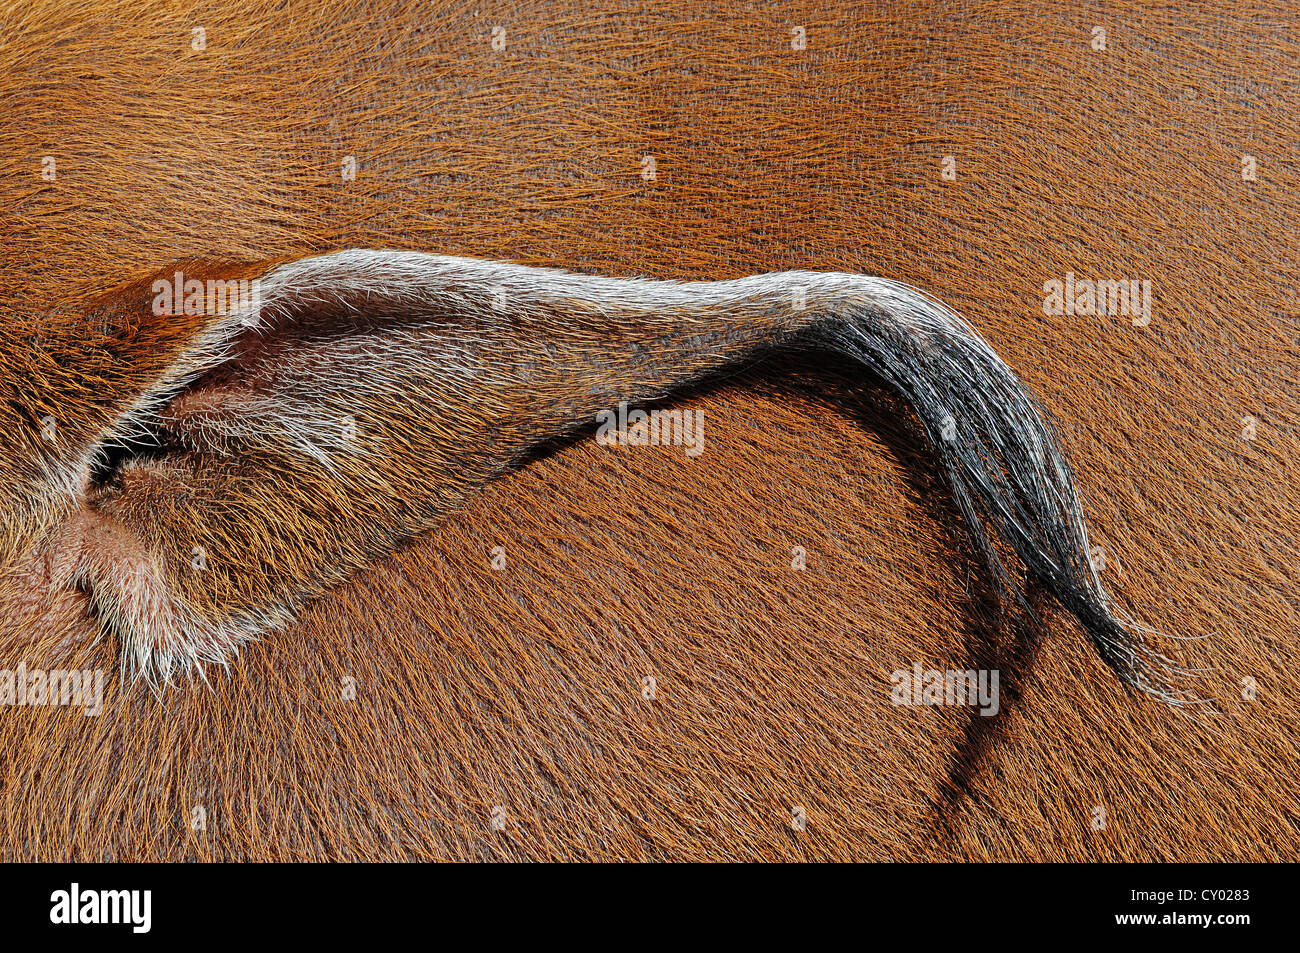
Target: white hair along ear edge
(468, 323)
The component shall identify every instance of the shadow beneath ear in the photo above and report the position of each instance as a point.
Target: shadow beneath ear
(1009, 647)
(998, 635)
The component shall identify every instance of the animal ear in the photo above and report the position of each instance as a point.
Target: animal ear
(249, 456)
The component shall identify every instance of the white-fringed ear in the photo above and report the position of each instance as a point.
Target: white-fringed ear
(356, 396)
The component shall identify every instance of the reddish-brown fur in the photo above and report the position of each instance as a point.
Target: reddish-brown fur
(522, 688)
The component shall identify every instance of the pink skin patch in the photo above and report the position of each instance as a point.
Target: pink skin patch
(95, 551)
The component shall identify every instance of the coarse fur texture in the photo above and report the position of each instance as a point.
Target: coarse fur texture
(358, 396)
(395, 713)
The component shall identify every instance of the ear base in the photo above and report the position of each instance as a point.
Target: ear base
(134, 598)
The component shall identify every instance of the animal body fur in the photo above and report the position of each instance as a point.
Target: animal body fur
(305, 432)
(420, 689)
